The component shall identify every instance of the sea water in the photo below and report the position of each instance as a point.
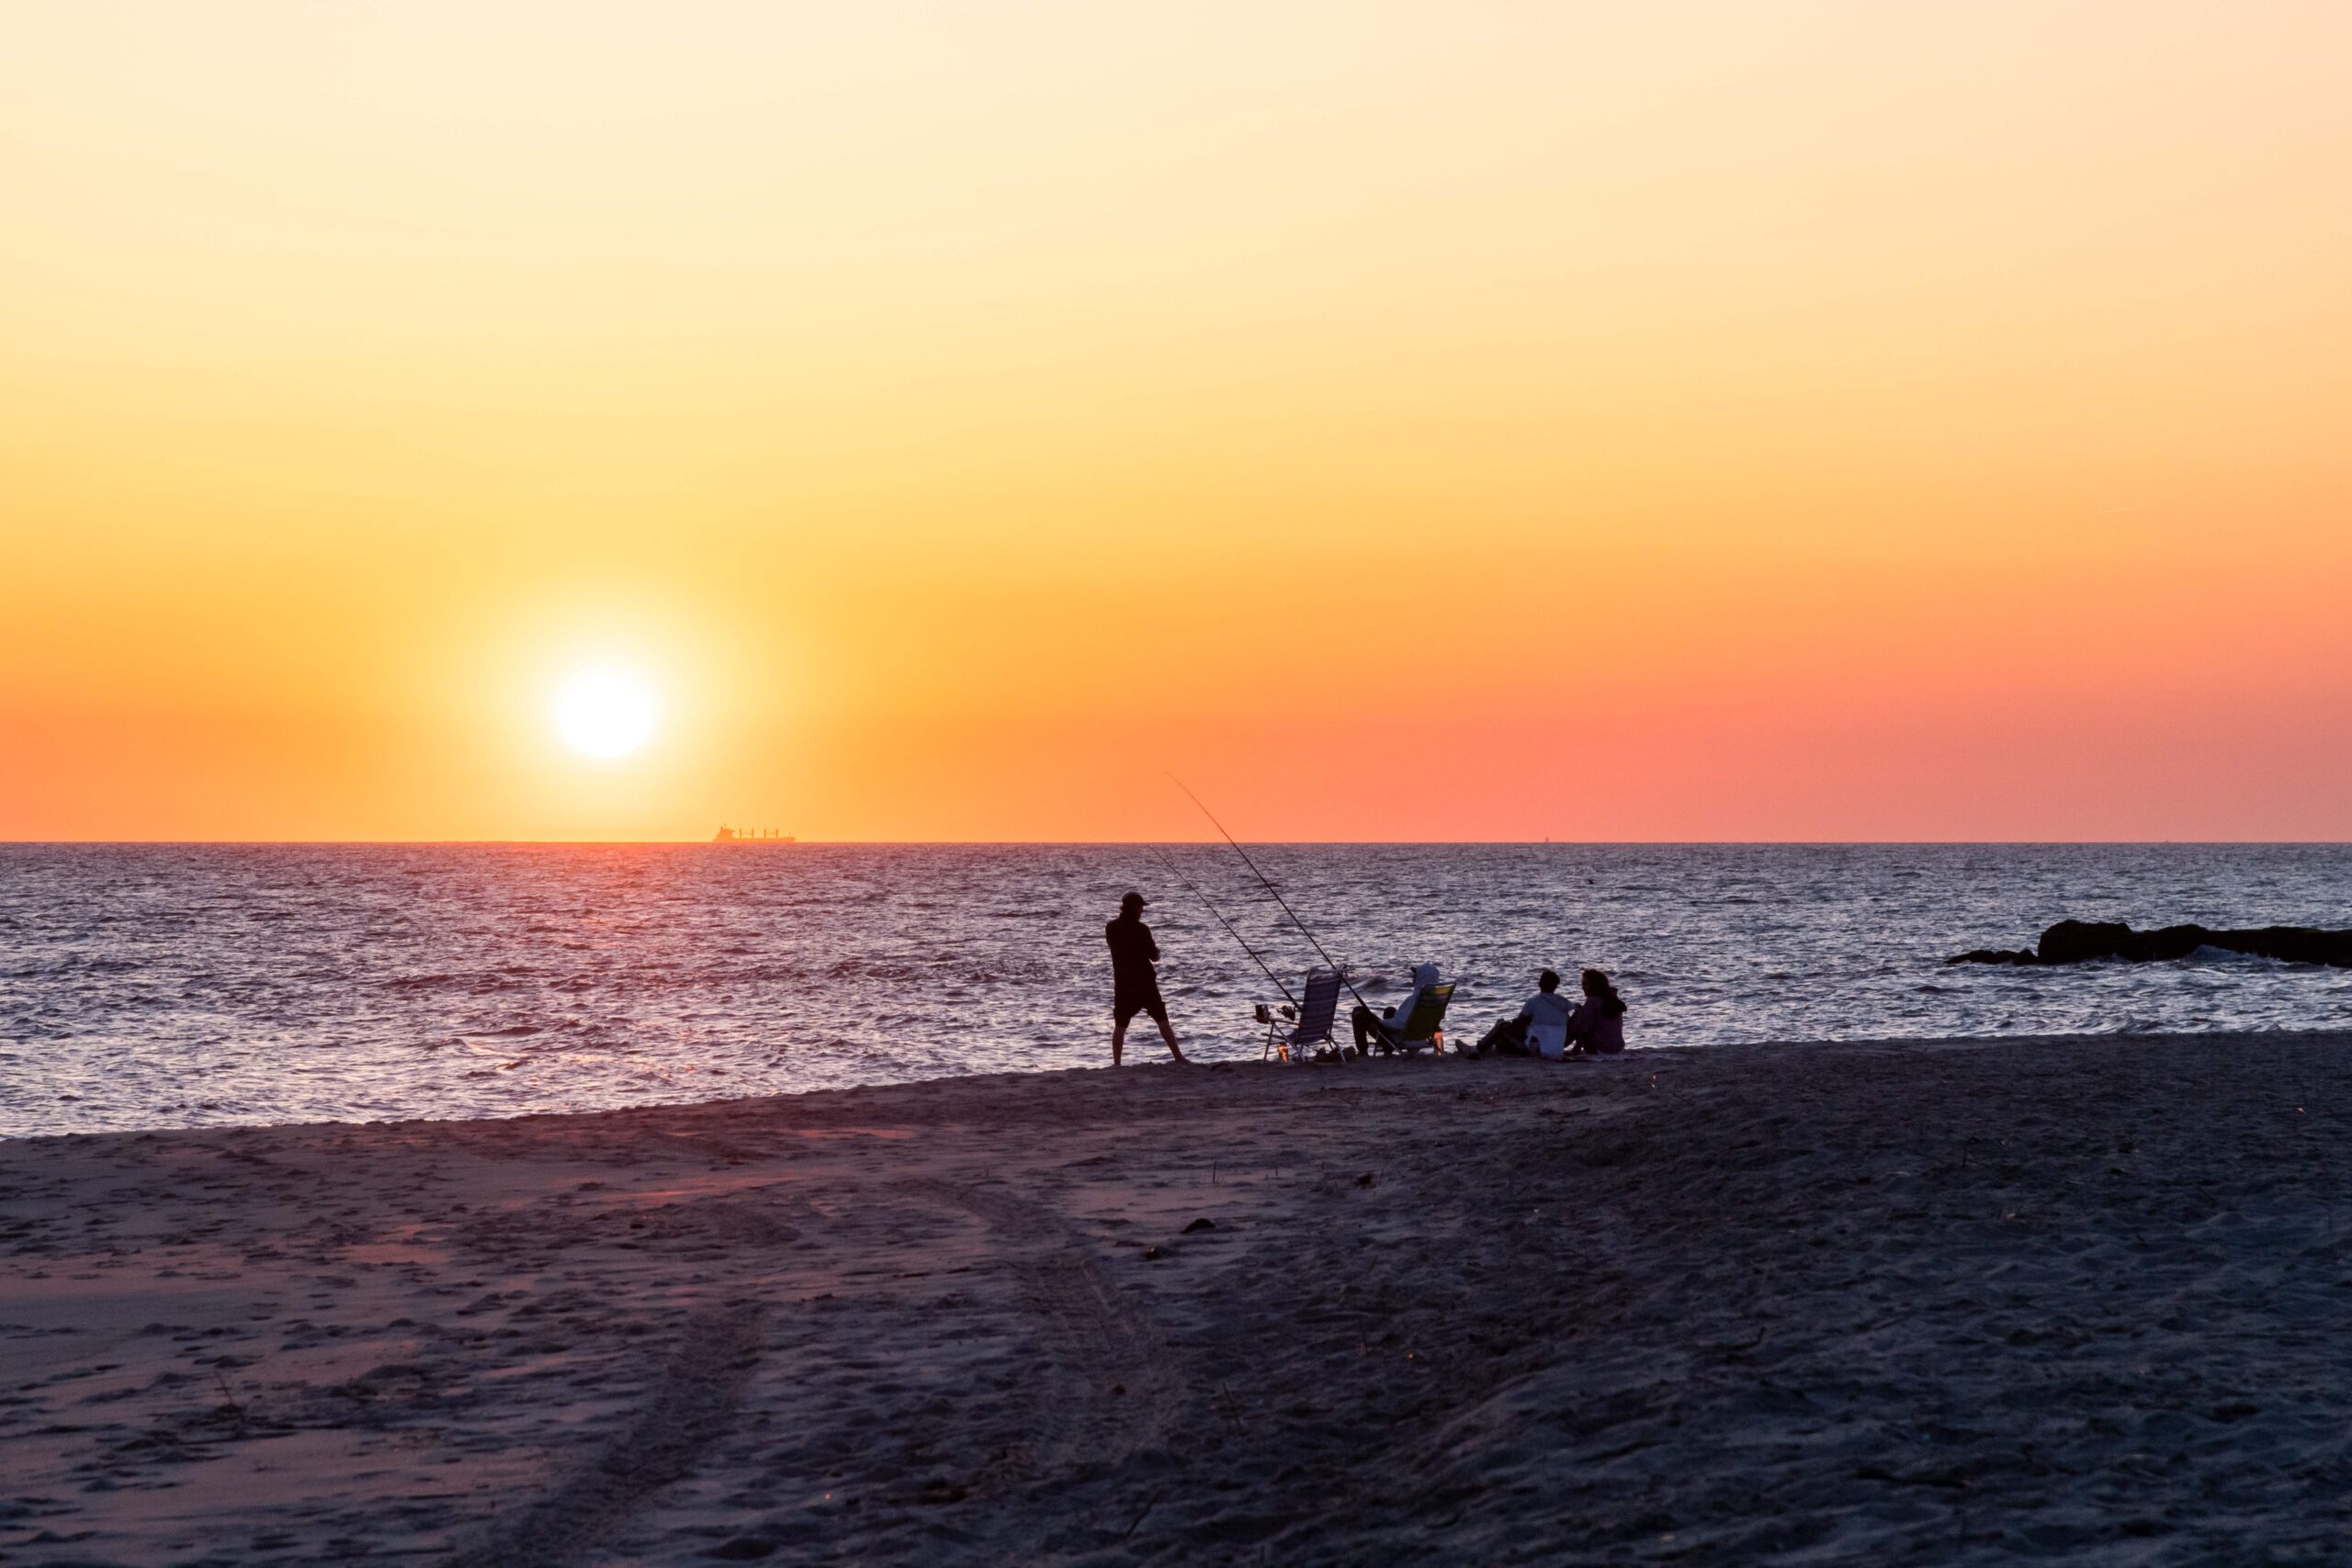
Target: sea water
(159, 985)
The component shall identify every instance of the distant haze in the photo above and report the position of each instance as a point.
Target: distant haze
(1407, 421)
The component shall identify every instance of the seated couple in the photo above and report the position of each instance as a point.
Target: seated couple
(1550, 1027)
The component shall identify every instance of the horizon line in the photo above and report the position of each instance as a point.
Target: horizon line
(1118, 843)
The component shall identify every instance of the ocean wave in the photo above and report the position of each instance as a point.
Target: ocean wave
(386, 974)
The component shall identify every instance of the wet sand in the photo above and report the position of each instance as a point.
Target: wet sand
(2079, 1300)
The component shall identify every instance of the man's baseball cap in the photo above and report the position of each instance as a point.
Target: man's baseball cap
(1133, 901)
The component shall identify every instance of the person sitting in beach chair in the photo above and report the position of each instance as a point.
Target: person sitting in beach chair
(1306, 1024)
(1417, 1022)
(1539, 1028)
(1597, 1027)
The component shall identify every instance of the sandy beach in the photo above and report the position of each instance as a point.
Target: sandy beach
(1892, 1304)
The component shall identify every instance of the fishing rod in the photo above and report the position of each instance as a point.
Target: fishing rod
(1268, 883)
(1225, 923)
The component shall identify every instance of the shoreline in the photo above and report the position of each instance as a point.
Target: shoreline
(1909, 1301)
(1016, 1075)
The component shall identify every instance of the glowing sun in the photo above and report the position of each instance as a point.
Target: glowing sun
(605, 713)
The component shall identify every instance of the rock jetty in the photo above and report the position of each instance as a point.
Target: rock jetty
(2078, 942)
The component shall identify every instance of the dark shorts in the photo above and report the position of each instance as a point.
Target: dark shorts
(1126, 1004)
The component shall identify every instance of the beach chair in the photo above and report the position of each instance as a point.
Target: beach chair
(1312, 1023)
(1424, 1027)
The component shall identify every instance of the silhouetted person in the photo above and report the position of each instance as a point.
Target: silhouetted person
(1545, 1014)
(1134, 984)
(1597, 1028)
(1383, 1031)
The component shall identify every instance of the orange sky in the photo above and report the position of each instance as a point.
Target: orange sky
(1405, 422)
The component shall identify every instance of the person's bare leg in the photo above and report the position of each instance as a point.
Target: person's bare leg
(1170, 1035)
(1118, 1039)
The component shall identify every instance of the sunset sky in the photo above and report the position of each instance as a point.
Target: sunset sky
(1642, 421)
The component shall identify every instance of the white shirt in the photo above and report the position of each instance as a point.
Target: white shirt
(1548, 1024)
(1547, 1007)
(1424, 976)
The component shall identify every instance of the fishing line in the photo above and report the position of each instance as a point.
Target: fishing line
(1267, 883)
(1225, 923)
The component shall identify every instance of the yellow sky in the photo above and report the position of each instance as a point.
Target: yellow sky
(1405, 420)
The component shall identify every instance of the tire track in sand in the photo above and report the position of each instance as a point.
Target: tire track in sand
(1116, 1388)
(690, 1405)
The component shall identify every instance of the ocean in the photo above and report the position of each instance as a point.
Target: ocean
(176, 985)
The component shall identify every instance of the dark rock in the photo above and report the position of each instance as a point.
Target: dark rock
(2079, 941)
(1203, 1224)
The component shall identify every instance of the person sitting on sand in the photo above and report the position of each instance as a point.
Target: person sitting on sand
(1597, 1027)
(1382, 1031)
(1134, 985)
(1539, 1027)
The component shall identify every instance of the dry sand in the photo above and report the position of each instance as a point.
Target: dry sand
(1883, 1304)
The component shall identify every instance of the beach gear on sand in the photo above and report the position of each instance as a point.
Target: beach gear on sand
(1268, 883)
(1304, 1023)
(1422, 1021)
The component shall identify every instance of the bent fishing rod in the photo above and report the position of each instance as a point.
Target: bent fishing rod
(1235, 935)
(1266, 881)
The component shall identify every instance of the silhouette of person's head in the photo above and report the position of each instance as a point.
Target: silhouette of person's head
(1548, 981)
(1597, 987)
(1131, 906)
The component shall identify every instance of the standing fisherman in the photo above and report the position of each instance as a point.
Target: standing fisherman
(1134, 985)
